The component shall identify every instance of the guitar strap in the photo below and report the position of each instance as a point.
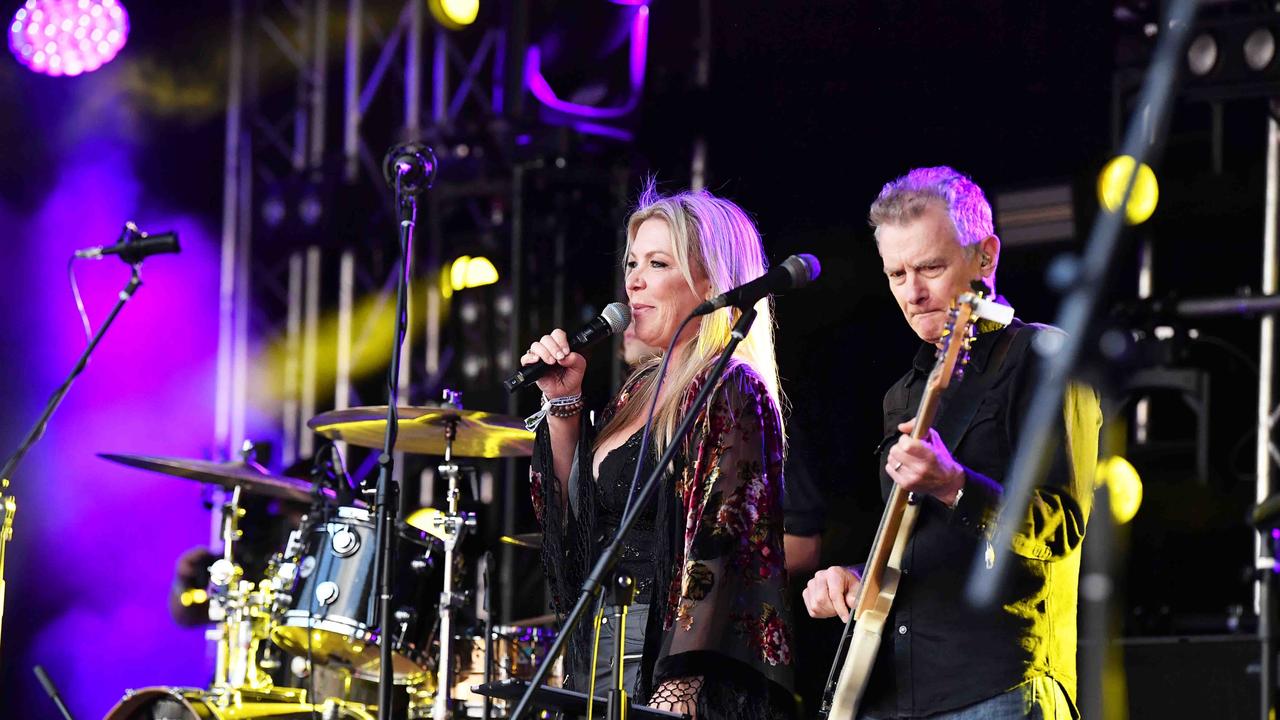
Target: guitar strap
(960, 406)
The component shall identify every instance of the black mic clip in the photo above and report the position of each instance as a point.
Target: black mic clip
(411, 167)
(134, 246)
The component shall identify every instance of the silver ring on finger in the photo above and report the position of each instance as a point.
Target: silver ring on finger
(897, 467)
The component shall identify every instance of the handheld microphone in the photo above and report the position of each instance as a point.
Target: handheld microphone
(135, 247)
(613, 319)
(794, 272)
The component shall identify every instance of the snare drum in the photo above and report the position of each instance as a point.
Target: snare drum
(331, 616)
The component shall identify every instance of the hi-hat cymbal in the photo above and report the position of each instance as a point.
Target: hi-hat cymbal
(421, 430)
(530, 541)
(228, 475)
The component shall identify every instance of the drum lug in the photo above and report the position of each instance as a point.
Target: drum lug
(327, 592)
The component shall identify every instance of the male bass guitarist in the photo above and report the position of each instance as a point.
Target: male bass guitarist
(938, 657)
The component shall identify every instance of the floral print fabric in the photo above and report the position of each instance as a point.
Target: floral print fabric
(724, 612)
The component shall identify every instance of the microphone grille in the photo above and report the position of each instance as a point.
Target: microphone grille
(803, 269)
(617, 315)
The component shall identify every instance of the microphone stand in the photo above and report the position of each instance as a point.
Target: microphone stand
(8, 506)
(410, 169)
(1077, 316)
(591, 587)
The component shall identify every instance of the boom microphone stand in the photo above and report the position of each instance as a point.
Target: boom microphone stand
(609, 558)
(133, 254)
(410, 169)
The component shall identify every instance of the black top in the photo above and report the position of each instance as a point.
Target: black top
(613, 486)
(803, 506)
(939, 654)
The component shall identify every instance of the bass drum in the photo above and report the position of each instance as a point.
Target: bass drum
(164, 703)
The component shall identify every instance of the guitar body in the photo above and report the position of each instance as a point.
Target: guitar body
(863, 648)
(872, 617)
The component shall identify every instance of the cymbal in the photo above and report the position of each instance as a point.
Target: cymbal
(530, 541)
(548, 619)
(228, 475)
(421, 430)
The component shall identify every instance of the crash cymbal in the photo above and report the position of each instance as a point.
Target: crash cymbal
(531, 541)
(228, 475)
(421, 430)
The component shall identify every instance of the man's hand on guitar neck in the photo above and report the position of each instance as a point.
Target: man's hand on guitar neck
(833, 591)
(925, 467)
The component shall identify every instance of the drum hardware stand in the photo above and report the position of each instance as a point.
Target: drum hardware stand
(454, 529)
(410, 169)
(8, 506)
(591, 587)
(242, 613)
(623, 592)
(485, 617)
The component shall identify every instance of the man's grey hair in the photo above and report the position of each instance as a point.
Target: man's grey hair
(905, 199)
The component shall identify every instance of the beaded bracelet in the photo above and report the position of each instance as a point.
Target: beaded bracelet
(563, 407)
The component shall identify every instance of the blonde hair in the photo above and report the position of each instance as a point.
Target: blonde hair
(716, 236)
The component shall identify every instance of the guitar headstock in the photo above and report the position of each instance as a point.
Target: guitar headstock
(957, 337)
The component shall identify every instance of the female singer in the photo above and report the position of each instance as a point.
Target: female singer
(710, 631)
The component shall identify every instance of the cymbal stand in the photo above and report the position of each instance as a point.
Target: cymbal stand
(224, 601)
(454, 528)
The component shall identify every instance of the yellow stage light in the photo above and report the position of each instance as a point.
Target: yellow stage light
(1124, 487)
(471, 272)
(454, 14)
(1142, 199)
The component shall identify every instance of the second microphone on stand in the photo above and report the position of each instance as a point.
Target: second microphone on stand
(613, 319)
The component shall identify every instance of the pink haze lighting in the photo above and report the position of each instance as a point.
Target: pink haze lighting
(68, 37)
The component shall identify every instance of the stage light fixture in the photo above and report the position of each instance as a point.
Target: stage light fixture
(471, 272)
(68, 37)
(1142, 199)
(1259, 49)
(454, 14)
(1233, 56)
(1202, 54)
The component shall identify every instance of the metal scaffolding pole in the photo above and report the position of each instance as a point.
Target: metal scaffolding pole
(222, 440)
(1266, 420)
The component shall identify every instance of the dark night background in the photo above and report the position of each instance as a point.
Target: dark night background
(811, 107)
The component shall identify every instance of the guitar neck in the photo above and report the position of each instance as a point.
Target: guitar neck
(891, 521)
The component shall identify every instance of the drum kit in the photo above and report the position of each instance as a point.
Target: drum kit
(317, 599)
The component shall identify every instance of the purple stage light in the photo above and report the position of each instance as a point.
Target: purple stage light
(68, 37)
(542, 90)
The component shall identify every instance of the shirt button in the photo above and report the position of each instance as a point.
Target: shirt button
(902, 629)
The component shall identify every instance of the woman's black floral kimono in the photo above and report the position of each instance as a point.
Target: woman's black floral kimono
(719, 607)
